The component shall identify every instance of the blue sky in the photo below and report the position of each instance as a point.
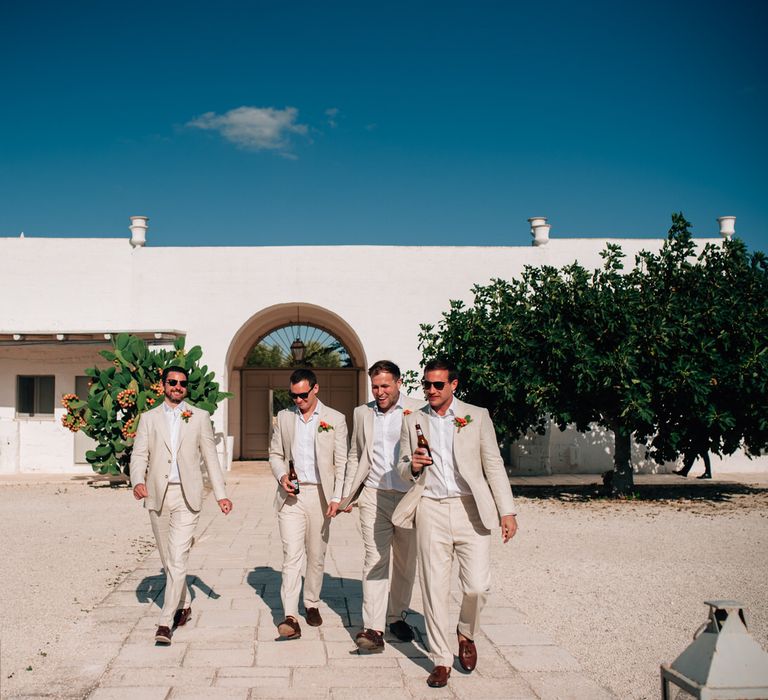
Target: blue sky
(420, 123)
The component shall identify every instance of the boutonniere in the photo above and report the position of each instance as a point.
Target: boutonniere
(407, 412)
(460, 422)
(186, 415)
(324, 427)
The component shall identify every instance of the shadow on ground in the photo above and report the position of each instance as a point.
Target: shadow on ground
(716, 492)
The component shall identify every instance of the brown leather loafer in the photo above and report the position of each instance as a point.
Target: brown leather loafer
(313, 617)
(163, 635)
(181, 616)
(370, 640)
(467, 654)
(289, 628)
(439, 677)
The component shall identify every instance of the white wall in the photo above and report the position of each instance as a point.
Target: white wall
(209, 293)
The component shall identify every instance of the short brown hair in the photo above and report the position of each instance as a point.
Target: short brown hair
(442, 363)
(383, 366)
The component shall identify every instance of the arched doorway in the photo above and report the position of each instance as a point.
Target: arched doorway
(260, 361)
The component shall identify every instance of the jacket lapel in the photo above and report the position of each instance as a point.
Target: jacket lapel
(184, 425)
(368, 432)
(162, 426)
(289, 430)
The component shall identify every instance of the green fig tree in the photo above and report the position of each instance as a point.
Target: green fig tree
(130, 385)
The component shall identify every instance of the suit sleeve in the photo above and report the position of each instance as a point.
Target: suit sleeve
(406, 452)
(340, 447)
(140, 452)
(352, 456)
(210, 458)
(277, 461)
(493, 468)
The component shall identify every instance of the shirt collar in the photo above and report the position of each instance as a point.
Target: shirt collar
(450, 412)
(379, 412)
(181, 407)
(316, 412)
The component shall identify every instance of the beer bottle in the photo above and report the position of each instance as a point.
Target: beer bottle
(292, 477)
(421, 441)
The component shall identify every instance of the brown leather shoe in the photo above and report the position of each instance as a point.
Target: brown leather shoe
(181, 616)
(467, 653)
(313, 617)
(163, 635)
(289, 628)
(439, 677)
(370, 640)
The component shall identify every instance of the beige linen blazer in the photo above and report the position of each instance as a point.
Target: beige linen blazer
(360, 455)
(477, 457)
(151, 457)
(330, 451)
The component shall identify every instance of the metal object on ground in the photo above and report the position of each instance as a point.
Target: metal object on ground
(723, 662)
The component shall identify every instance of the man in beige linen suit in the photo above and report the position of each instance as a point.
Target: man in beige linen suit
(373, 481)
(170, 443)
(314, 438)
(459, 494)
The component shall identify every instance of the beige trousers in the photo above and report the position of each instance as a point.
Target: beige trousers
(445, 527)
(174, 529)
(304, 531)
(380, 537)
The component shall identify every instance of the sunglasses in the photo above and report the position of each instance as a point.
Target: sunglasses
(428, 385)
(300, 395)
(174, 382)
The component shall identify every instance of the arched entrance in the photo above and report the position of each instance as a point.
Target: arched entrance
(258, 389)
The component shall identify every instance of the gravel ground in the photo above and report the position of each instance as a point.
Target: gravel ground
(618, 584)
(621, 585)
(64, 547)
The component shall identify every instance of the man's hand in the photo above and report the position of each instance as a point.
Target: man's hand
(285, 482)
(508, 527)
(226, 506)
(420, 459)
(140, 491)
(333, 509)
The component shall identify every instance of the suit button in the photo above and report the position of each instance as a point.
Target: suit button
(166, 476)
(169, 461)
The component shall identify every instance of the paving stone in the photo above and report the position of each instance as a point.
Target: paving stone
(295, 653)
(228, 618)
(130, 693)
(255, 672)
(351, 678)
(472, 686)
(148, 676)
(150, 655)
(251, 682)
(566, 686)
(208, 692)
(539, 658)
(289, 693)
(219, 657)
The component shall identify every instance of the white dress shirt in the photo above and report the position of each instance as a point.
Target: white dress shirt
(443, 479)
(303, 447)
(385, 452)
(173, 418)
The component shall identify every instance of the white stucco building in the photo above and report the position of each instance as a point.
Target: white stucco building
(54, 319)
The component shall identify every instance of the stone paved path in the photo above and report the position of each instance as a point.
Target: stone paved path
(228, 649)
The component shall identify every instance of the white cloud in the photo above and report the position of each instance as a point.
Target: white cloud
(255, 128)
(332, 113)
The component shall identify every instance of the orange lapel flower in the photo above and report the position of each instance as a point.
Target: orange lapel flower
(186, 415)
(460, 422)
(407, 412)
(324, 427)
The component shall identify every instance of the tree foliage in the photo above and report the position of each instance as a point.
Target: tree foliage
(120, 393)
(668, 351)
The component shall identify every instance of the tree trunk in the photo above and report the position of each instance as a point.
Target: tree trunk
(619, 481)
